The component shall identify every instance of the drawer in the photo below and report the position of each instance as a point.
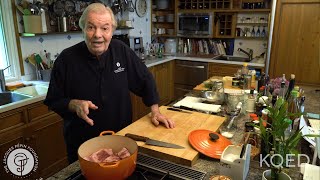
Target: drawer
(38, 110)
(13, 118)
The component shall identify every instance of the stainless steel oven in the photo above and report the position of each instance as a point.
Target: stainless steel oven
(188, 74)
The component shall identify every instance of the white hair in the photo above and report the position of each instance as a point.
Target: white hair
(98, 8)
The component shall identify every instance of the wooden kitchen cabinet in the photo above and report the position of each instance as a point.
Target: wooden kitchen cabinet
(163, 19)
(34, 125)
(225, 25)
(46, 136)
(218, 69)
(7, 140)
(163, 75)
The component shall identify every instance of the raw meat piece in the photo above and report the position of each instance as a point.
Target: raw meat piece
(101, 155)
(107, 155)
(124, 153)
(112, 158)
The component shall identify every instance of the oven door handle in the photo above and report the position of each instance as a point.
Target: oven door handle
(196, 67)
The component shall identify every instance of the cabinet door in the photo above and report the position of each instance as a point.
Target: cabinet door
(46, 138)
(164, 81)
(295, 42)
(8, 139)
(138, 108)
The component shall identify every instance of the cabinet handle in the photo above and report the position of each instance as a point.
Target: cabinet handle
(196, 67)
(27, 139)
(33, 137)
(182, 89)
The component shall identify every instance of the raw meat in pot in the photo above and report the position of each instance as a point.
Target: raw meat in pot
(124, 153)
(112, 158)
(101, 155)
(107, 155)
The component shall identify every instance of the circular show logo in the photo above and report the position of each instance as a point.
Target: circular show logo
(20, 160)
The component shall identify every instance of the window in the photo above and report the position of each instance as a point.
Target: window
(8, 47)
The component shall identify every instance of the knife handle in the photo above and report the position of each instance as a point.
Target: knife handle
(174, 109)
(136, 137)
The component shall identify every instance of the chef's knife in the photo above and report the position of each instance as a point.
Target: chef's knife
(178, 110)
(153, 142)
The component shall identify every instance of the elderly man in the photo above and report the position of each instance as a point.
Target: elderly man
(91, 82)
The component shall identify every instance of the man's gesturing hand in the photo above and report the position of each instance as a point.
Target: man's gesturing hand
(81, 107)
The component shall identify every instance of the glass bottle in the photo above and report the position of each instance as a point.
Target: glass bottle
(244, 69)
(288, 131)
(251, 102)
(283, 86)
(253, 33)
(160, 51)
(263, 33)
(291, 86)
(258, 32)
(293, 108)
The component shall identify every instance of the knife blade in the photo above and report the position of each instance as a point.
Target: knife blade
(152, 141)
(178, 110)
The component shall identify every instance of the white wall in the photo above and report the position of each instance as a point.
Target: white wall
(56, 43)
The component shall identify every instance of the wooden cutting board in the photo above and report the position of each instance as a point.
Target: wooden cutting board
(185, 123)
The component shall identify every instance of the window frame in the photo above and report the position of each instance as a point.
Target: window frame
(10, 40)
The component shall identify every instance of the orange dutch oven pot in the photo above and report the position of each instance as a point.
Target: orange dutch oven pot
(114, 170)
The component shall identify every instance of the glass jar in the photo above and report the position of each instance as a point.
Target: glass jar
(170, 46)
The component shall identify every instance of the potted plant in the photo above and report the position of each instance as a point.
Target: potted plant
(276, 139)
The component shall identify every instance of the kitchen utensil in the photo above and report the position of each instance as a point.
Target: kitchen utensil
(206, 143)
(116, 170)
(179, 110)
(153, 142)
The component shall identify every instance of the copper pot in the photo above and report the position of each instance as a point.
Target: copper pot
(115, 170)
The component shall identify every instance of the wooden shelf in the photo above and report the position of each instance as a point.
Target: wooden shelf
(48, 33)
(253, 10)
(251, 24)
(253, 38)
(68, 32)
(163, 35)
(163, 10)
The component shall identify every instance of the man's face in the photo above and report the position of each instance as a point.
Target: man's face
(98, 32)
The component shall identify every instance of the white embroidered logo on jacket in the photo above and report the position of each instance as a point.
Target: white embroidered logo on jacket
(120, 69)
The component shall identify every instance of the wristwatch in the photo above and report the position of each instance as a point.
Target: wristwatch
(141, 7)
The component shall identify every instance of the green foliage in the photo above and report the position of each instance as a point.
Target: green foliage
(280, 121)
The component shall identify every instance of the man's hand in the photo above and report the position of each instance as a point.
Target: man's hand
(81, 107)
(157, 117)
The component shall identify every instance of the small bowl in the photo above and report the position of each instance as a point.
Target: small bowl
(210, 97)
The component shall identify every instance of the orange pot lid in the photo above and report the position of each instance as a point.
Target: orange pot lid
(202, 142)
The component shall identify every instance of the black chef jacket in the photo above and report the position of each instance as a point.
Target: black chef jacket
(78, 74)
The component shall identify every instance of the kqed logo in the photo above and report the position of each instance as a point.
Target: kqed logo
(20, 160)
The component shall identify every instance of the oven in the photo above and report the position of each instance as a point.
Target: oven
(188, 74)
